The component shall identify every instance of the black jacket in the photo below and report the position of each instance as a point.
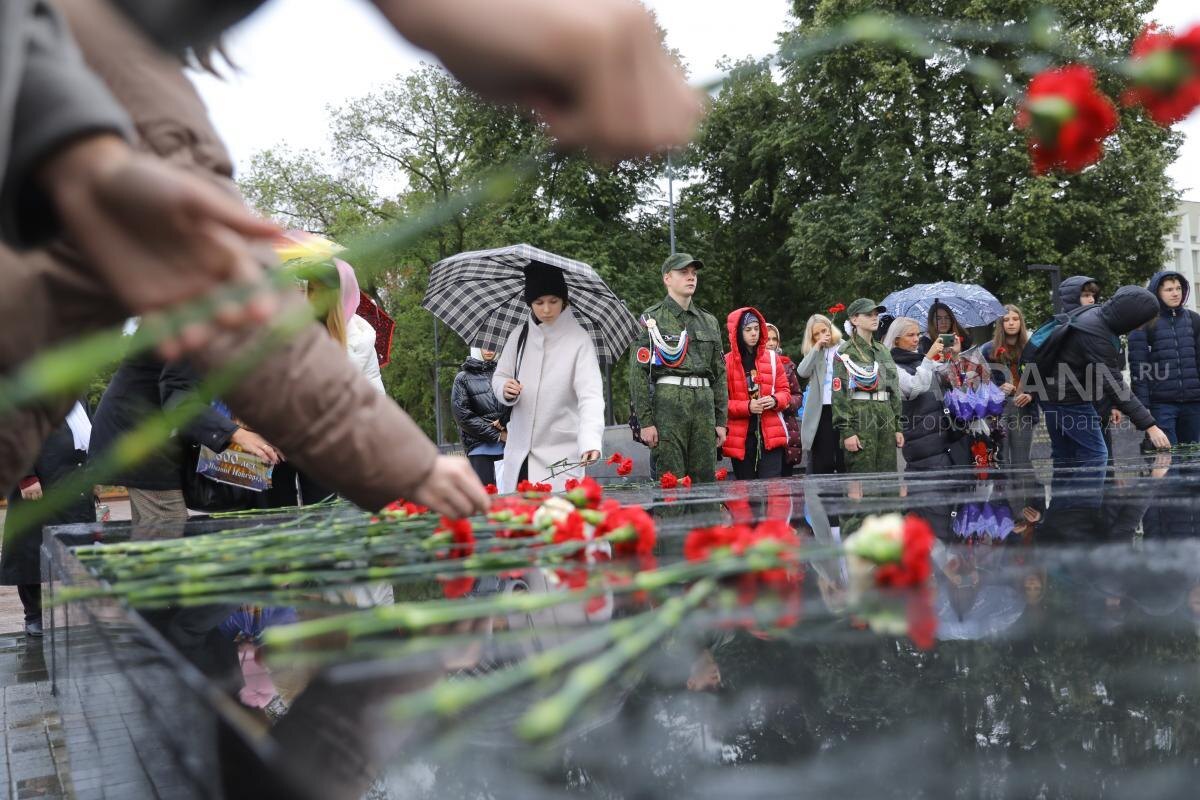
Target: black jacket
(144, 385)
(20, 560)
(475, 405)
(1091, 354)
(931, 438)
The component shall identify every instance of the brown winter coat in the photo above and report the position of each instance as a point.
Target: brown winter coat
(306, 398)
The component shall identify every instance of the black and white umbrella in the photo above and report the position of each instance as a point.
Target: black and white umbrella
(479, 295)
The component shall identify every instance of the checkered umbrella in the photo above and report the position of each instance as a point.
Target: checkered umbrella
(479, 295)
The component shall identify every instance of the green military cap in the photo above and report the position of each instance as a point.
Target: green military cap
(680, 261)
(863, 306)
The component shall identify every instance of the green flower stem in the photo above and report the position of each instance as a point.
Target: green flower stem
(548, 717)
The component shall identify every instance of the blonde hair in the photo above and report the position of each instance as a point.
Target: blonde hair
(335, 323)
(896, 330)
(1023, 332)
(835, 335)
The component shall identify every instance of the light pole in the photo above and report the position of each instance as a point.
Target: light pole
(437, 386)
(1055, 279)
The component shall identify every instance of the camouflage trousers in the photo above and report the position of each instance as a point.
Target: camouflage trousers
(687, 437)
(875, 426)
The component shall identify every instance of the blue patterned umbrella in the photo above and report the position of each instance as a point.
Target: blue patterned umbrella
(972, 305)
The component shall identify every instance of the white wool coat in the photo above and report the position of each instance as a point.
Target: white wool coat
(560, 412)
(360, 346)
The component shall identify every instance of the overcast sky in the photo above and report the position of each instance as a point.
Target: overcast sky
(285, 81)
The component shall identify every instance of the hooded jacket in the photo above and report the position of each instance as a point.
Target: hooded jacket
(772, 379)
(1090, 353)
(1164, 358)
(475, 405)
(1070, 290)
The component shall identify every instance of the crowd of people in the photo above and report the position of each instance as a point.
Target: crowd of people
(914, 395)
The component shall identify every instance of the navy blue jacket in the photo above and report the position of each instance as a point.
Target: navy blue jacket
(1164, 358)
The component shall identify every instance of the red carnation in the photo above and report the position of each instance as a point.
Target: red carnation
(722, 474)
(615, 458)
(668, 480)
(572, 483)
(700, 543)
(914, 568)
(570, 529)
(631, 530)
(836, 308)
(1166, 74)
(686, 482)
(461, 535)
(625, 467)
(1067, 118)
(586, 493)
(454, 588)
(491, 488)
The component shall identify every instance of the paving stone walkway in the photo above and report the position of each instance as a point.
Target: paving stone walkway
(34, 762)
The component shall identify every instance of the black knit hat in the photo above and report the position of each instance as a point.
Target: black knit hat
(541, 280)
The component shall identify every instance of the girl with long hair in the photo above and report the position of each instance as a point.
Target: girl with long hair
(1005, 355)
(821, 340)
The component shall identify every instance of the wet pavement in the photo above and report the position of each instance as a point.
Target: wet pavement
(1063, 626)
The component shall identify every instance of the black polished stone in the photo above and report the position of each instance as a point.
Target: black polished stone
(1066, 665)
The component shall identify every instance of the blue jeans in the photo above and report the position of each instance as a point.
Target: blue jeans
(1079, 453)
(1076, 433)
(1179, 421)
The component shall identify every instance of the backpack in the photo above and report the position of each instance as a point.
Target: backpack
(1048, 340)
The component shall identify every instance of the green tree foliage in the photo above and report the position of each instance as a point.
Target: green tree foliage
(866, 170)
(854, 173)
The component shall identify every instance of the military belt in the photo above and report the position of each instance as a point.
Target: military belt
(869, 396)
(691, 381)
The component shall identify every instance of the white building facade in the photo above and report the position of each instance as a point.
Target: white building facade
(1183, 247)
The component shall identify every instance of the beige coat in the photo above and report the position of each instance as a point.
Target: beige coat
(306, 398)
(560, 413)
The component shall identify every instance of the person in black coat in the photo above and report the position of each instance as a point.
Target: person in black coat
(1085, 370)
(62, 454)
(480, 416)
(144, 385)
(932, 440)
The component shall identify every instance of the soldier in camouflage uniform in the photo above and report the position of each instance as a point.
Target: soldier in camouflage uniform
(677, 378)
(866, 395)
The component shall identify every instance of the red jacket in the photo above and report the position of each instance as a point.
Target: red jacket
(771, 377)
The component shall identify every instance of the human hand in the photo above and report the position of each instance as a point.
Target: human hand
(768, 403)
(721, 433)
(1007, 388)
(1162, 464)
(452, 488)
(512, 390)
(1022, 400)
(503, 436)
(852, 445)
(256, 445)
(1158, 438)
(157, 235)
(899, 439)
(497, 424)
(935, 349)
(32, 492)
(650, 436)
(1115, 417)
(1031, 514)
(824, 339)
(756, 406)
(594, 70)
(590, 457)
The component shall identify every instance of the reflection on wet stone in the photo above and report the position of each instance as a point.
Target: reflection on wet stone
(1061, 616)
